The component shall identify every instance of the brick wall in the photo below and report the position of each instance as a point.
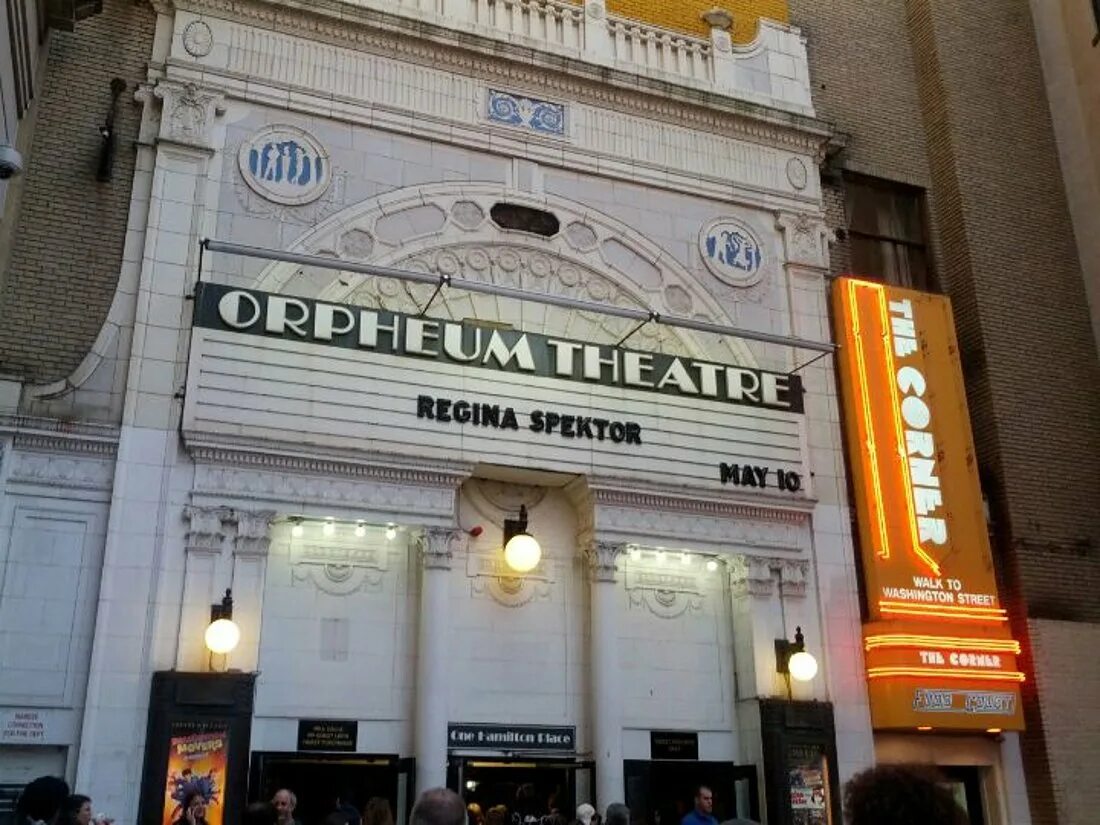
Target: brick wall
(949, 96)
(686, 15)
(1069, 687)
(67, 248)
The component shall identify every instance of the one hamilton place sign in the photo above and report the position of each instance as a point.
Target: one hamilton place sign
(300, 319)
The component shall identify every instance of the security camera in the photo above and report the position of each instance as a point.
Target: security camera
(11, 162)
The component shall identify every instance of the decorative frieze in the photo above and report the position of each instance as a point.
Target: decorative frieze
(757, 576)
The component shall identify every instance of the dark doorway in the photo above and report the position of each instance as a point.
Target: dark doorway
(531, 790)
(966, 786)
(318, 779)
(661, 793)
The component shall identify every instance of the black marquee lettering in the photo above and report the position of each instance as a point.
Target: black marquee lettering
(509, 421)
(461, 411)
(443, 409)
(425, 405)
(618, 431)
(537, 421)
(633, 433)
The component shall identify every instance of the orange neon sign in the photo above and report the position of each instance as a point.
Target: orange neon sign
(939, 630)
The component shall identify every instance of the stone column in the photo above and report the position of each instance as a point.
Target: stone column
(607, 740)
(437, 548)
(250, 547)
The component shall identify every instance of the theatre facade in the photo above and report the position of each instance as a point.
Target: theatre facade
(405, 279)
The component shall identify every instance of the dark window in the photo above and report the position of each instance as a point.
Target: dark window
(886, 230)
(525, 219)
(1096, 17)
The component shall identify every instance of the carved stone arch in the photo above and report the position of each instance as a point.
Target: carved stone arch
(447, 229)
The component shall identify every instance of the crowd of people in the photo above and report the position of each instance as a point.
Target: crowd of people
(885, 794)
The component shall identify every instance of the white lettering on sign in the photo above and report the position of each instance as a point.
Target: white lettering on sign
(24, 727)
(917, 416)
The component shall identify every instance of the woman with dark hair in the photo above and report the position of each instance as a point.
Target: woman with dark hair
(76, 810)
(900, 796)
(193, 809)
(260, 813)
(377, 812)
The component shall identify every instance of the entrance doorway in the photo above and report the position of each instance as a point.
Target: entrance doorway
(319, 779)
(662, 792)
(966, 786)
(530, 789)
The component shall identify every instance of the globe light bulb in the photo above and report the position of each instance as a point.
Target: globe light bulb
(802, 666)
(222, 636)
(712, 565)
(522, 553)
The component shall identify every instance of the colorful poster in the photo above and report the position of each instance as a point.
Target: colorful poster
(196, 765)
(808, 786)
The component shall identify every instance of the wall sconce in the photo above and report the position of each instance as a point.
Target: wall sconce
(521, 552)
(222, 634)
(792, 660)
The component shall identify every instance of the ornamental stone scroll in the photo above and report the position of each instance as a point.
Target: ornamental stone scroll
(603, 557)
(438, 545)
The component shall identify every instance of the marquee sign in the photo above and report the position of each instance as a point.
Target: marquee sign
(333, 378)
(939, 626)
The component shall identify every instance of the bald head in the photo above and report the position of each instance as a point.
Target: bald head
(438, 806)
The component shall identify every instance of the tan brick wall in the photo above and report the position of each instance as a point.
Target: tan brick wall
(686, 15)
(67, 248)
(950, 96)
(1068, 678)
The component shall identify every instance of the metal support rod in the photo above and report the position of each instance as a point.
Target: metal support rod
(443, 281)
(629, 335)
(512, 292)
(817, 357)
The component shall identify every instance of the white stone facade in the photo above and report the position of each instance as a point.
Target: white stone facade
(194, 492)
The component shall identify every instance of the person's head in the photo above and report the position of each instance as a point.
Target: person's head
(336, 818)
(194, 804)
(704, 800)
(76, 810)
(584, 813)
(438, 806)
(285, 802)
(378, 812)
(474, 815)
(260, 813)
(41, 799)
(617, 814)
(900, 796)
(496, 815)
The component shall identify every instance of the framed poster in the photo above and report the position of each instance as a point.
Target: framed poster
(197, 766)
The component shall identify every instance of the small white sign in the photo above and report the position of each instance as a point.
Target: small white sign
(285, 164)
(23, 727)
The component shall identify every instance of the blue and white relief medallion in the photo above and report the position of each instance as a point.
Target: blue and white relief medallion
(527, 113)
(731, 251)
(285, 164)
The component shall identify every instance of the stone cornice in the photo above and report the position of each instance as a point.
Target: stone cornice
(383, 469)
(49, 435)
(634, 495)
(418, 41)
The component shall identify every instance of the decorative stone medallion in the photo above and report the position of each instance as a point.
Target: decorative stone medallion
(540, 116)
(797, 174)
(731, 252)
(285, 164)
(198, 39)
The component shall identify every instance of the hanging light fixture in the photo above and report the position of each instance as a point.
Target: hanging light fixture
(792, 660)
(521, 551)
(222, 634)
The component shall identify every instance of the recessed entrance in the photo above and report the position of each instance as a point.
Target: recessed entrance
(318, 779)
(661, 792)
(530, 789)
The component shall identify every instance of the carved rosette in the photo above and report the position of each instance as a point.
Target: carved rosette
(189, 112)
(206, 533)
(253, 536)
(438, 546)
(603, 559)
